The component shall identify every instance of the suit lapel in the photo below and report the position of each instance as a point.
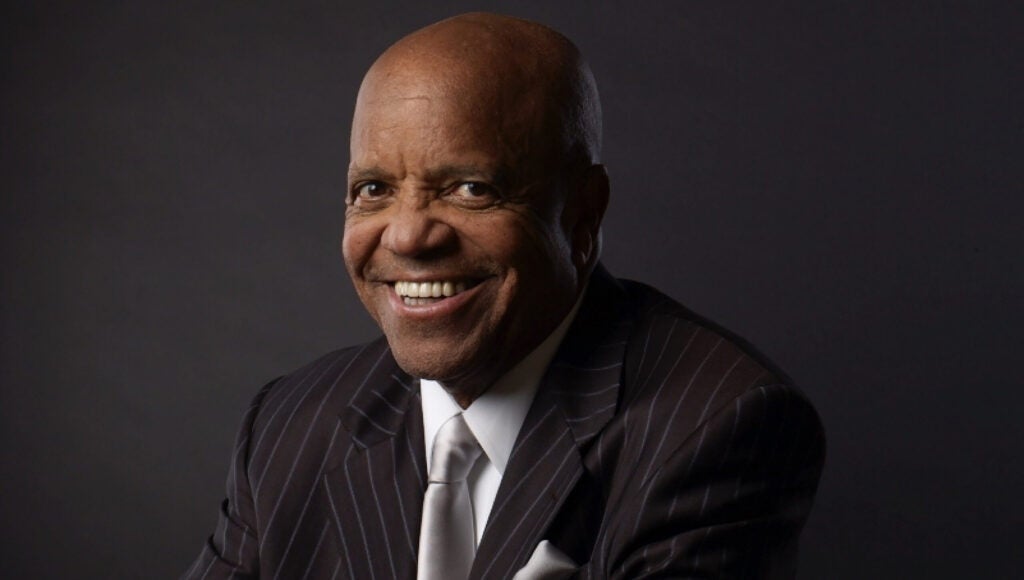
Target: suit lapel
(577, 397)
(375, 489)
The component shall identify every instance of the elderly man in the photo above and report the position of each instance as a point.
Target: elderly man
(525, 414)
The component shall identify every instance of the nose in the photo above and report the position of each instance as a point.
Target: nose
(414, 230)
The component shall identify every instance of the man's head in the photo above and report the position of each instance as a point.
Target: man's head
(474, 175)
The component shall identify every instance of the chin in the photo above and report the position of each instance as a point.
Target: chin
(434, 364)
(444, 364)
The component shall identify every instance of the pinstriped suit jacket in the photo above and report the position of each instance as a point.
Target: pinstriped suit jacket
(657, 446)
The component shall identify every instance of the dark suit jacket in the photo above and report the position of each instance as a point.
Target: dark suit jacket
(657, 446)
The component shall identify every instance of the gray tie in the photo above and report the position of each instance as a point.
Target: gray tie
(447, 538)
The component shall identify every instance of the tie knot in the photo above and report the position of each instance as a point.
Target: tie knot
(454, 453)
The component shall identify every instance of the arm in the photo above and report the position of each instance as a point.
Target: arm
(732, 498)
(232, 550)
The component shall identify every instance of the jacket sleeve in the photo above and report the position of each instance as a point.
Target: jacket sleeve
(731, 500)
(232, 551)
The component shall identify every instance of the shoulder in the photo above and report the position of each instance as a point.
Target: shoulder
(652, 309)
(296, 419)
(315, 393)
(705, 430)
(684, 376)
(672, 347)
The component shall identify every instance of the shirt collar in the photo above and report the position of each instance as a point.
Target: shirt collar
(496, 416)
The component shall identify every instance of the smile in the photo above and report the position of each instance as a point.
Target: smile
(424, 293)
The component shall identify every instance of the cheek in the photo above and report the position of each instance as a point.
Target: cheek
(357, 245)
(499, 239)
(534, 256)
(541, 246)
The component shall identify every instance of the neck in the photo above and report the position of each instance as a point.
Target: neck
(540, 357)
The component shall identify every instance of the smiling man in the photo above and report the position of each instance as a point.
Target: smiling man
(472, 182)
(525, 414)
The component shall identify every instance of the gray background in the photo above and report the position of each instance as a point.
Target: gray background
(839, 182)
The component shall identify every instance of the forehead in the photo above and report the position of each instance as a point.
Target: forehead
(421, 115)
(430, 111)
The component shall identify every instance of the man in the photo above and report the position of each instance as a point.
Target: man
(525, 413)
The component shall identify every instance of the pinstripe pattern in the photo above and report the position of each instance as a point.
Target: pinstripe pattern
(657, 446)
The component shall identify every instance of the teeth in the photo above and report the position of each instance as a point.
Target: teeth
(436, 289)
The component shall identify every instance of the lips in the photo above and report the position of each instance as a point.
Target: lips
(417, 293)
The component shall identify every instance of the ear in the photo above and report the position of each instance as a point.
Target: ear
(586, 210)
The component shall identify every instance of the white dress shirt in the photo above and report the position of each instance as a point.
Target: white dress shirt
(495, 418)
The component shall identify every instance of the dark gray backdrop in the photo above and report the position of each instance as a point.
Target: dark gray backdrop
(839, 182)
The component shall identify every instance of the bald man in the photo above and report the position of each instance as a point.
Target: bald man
(524, 414)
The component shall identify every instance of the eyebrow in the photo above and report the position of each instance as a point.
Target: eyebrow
(368, 174)
(498, 176)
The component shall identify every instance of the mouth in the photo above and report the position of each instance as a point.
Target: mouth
(413, 293)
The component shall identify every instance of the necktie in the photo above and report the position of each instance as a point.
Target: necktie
(447, 539)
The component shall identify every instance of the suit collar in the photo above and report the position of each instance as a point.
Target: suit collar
(383, 396)
(374, 486)
(577, 397)
(584, 378)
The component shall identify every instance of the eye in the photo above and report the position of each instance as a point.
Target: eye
(368, 192)
(474, 194)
